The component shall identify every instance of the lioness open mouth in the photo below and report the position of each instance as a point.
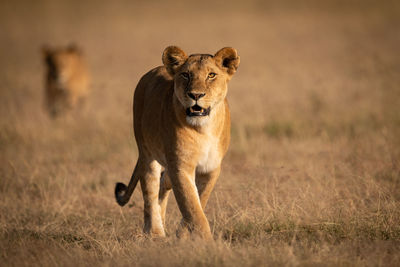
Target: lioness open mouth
(196, 110)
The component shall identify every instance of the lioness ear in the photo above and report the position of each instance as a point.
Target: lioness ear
(46, 50)
(228, 59)
(73, 48)
(173, 57)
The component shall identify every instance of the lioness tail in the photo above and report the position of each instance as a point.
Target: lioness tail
(122, 192)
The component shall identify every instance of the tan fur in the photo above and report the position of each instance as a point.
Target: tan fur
(185, 151)
(67, 79)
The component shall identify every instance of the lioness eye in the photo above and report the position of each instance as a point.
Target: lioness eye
(211, 75)
(185, 75)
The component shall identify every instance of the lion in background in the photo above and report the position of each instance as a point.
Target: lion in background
(66, 80)
(182, 130)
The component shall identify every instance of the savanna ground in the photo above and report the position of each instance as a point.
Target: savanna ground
(312, 176)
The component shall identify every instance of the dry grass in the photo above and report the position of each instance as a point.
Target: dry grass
(313, 173)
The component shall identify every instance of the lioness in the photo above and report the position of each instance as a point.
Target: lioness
(66, 80)
(182, 130)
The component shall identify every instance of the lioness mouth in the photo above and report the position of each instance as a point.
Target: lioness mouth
(196, 110)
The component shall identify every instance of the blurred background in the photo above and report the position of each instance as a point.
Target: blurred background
(315, 109)
(300, 61)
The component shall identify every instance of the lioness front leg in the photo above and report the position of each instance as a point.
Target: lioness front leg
(187, 197)
(205, 183)
(150, 183)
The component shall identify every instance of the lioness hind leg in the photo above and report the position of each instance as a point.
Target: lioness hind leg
(150, 183)
(165, 189)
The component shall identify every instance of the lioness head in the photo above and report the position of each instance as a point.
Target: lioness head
(200, 80)
(61, 62)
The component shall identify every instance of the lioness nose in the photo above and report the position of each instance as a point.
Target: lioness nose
(195, 96)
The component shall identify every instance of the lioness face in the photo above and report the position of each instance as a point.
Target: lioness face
(66, 78)
(60, 63)
(199, 86)
(200, 80)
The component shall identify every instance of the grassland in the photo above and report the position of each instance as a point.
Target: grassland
(312, 176)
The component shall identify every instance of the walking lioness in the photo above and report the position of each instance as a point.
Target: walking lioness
(182, 130)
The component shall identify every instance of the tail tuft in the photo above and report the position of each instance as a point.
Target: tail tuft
(120, 194)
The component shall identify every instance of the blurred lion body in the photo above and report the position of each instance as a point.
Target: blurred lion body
(66, 80)
(182, 129)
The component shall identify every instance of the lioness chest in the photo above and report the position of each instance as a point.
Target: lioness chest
(209, 157)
